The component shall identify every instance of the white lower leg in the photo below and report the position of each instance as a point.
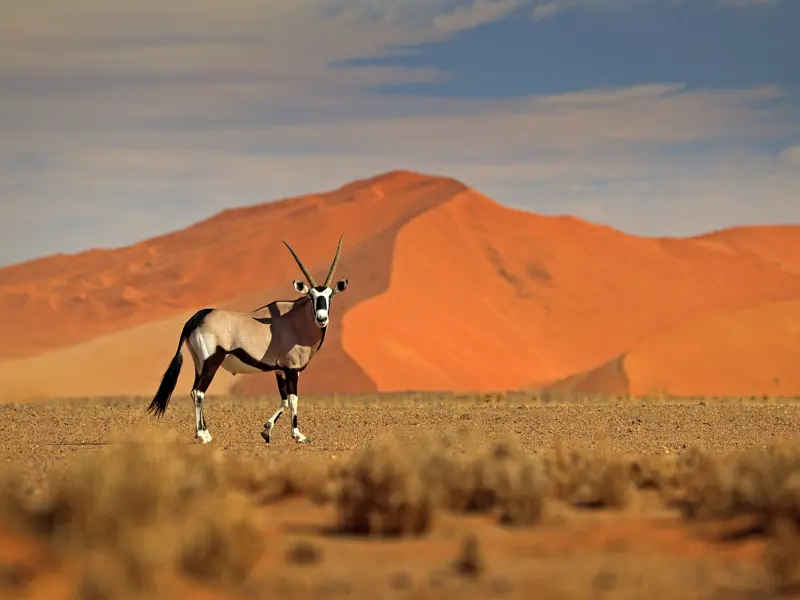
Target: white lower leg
(299, 437)
(271, 423)
(200, 430)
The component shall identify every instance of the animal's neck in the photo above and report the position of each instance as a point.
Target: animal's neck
(306, 324)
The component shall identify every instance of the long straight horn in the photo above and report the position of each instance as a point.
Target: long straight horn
(334, 263)
(300, 264)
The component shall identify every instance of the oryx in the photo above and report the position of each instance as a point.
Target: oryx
(282, 336)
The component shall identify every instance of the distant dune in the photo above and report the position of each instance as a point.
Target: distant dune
(737, 353)
(448, 290)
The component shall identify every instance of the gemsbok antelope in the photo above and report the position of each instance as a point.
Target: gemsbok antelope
(282, 336)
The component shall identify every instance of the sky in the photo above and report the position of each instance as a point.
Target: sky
(121, 121)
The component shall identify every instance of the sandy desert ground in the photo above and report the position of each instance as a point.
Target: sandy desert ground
(403, 496)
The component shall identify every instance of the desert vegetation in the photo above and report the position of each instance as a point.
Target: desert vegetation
(442, 512)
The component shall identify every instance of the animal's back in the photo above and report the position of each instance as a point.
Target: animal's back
(236, 330)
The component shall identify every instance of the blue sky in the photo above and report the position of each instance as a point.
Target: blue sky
(700, 44)
(659, 117)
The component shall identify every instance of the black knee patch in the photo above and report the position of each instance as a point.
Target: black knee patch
(294, 422)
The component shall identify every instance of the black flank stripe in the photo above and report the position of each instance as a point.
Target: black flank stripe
(245, 357)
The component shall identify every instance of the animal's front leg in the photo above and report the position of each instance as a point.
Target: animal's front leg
(266, 434)
(291, 388)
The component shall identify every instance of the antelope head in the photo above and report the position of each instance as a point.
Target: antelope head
(320, 295)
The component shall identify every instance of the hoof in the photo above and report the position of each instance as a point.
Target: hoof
(203, 436)
(265, 435)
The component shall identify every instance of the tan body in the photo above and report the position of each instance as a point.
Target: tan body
(281, 336)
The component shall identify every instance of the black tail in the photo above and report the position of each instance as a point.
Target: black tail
(168, 383)
(170, 377)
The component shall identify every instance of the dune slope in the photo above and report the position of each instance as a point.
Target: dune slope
(737, 353)
(504, 298)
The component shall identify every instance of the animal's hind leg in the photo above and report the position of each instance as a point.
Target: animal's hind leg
(281, 378)
(200, 429)
(207, 365)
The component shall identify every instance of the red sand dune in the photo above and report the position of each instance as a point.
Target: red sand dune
(448, 290)
(746, 352)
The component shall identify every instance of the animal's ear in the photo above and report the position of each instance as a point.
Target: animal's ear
(300, 287)
(340, 286)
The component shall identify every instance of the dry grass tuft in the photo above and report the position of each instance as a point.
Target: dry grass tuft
(385, 491)
(654, 471)
(762, 484)
(470, 561)
(501, 479)
(389, 489)
(585, 479)
(106, 578)
(782, 556)
(15, 576)
(304, 552)
(276, 479)
(137, 509)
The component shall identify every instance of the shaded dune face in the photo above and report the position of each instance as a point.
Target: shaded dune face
(610, 378)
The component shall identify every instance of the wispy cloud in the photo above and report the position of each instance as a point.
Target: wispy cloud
(121, 121)
(544, 9)
(473, 15)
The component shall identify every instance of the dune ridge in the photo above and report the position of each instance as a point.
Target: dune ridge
(448, 290)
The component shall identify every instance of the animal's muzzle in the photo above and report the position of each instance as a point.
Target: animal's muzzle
(321, 311)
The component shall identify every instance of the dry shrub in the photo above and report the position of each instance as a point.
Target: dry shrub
(782, 556)
(501, 478)
(524, 502)
(393, 489)
(763, 484)
(475, 482)
(137, 508)
(470, 561)
(276, 479)
(597, 479)
(15, 575)
(386, 490)
(106, 578)
(654, 471)
(304, 552)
